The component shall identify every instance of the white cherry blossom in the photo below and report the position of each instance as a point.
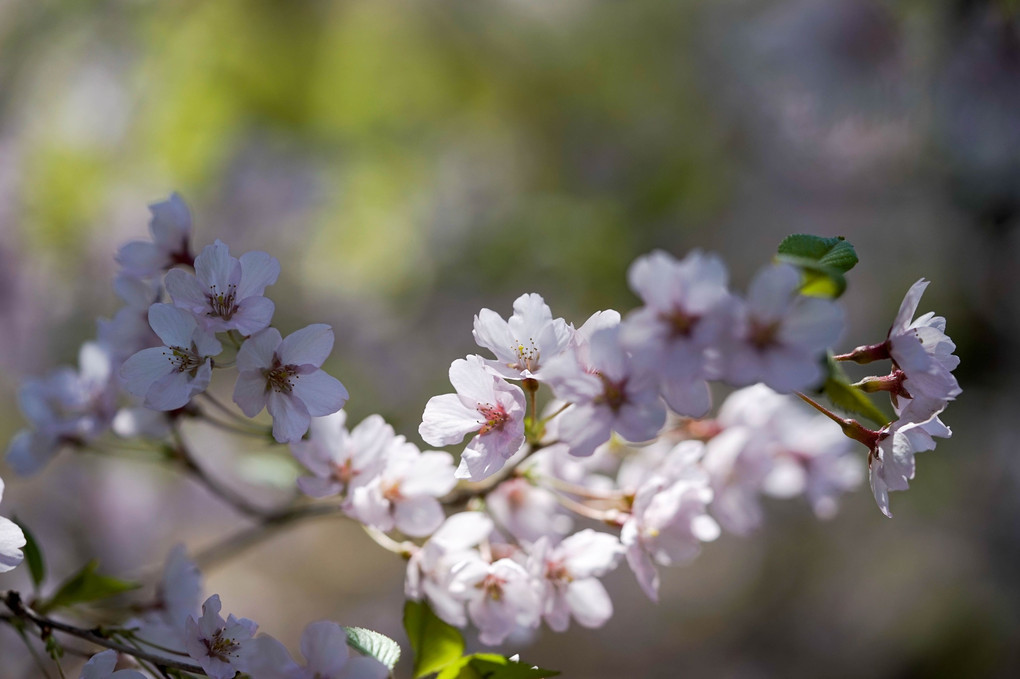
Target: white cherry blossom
(283, 376)
(341, 460)
(167, 377)
(404, 494)
(891, 462)
(171, 232)
(104, 666)
(226, 293)
(780, 336)
(687, 312)
(12, 539)
(217, 644)
(525, 342)
(484, 403)
(500, 597)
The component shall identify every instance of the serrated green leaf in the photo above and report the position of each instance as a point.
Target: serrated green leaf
(492, 666)
(435, 644)
(842, 394)
(374, 644)
(84, 586)
(822, 260)
(33, 555)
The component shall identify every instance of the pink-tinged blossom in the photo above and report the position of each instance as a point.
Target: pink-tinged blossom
(526, 511)
(923, 351)
(569, 575)
(780, 336)
(405, 494)
(217, 644)
(891, 462)
(430, 569)
(171, 231)
(283, 376)
(525, 342)
(341, 460)
(167, 377)
(484, 403)
(327, 656)
(609, 393)
(67, 407)
(226, 293)
(11, 541)
(500, 597)
(687, 312)
(104, 666)
(668, 522)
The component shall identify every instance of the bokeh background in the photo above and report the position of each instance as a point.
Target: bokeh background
(412, 162)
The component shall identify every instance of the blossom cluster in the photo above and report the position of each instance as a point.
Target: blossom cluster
(588, 446)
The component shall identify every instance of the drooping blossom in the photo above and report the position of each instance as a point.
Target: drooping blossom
(678, 331)
(12, 539)
(104, 666)
(484, 403)
(167, 377)
(891, 461)
(430, 568)
(669, 519)
(226, 293)
(327, 656)
(923, 351)
(570, 572)
(67, 407)
(341, 460)
(779, 335)
(216, 644)
(284, 376)
(500, 597)
(405, 493)
(609, 392)
(526, 341)
(171, 232)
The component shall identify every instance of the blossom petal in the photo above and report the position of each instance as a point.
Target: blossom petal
(324, 645)
(216, 269)
(308, 346)
(186, 291)
(253, 314)
(418, 516)
(447, 420)
(11, 542)
(589, 602)
(257, 351)
(143, 369)
(251, 393)
(258, 270)
(290, 417)
(170, 392)
(321, 393)
(173, 325)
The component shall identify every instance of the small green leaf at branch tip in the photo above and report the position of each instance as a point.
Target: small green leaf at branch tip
(374, 644)
(845, 396)
(435, 644)
(86, 586)
(33, 555)
(492, 666)
(822, 260)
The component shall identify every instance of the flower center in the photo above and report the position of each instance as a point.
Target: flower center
(183, 359)
(492, 585)
(220, 647)
(280, 378)
(613, 394)
(527, 355)
(763, 335)
(681, 324)
(495, 417)
(222, 304)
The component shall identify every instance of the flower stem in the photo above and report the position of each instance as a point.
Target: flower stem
(851, 428)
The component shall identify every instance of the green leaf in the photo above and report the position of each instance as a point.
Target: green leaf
(849, 398)
(492, 666)
(434, 643)
(370, 643)
(33, 555)
(823, 261)
(84, 586)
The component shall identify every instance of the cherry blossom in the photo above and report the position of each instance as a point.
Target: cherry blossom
(104, 666)
(609, 393)
(226, 293)
(500, 597)
(341, 460)
(67, 407)
(526, 341)
(217, 643)
(526, 511)
(128, 332)
(484, 403)
(283, 376)
(327, 656)
(569, 573)
(404, 495)
(780, 335)
(178, 596)
(171, 231)
(11, 541)
(891, 462)
(668, 521)
(167, 377)
(677, 333)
